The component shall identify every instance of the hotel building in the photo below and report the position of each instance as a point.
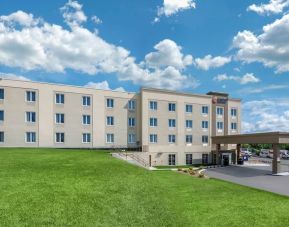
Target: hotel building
(170, 128)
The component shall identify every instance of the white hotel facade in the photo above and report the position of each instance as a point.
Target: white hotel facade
(170, 128)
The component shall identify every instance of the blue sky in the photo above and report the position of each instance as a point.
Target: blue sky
(239, 47)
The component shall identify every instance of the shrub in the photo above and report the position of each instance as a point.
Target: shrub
(201, 175)
(180, 169)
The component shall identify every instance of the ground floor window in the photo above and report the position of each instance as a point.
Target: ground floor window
(205, 158)
(59, 137)
(189, 159)
(1, 137)
(30, 137)
(172, 159)
(110, 138)
(86, 137)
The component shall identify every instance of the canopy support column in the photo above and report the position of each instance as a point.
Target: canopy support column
(276, 167)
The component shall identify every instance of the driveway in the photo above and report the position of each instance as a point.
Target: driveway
(255, 177)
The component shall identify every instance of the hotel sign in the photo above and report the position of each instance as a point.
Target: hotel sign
(218, 100)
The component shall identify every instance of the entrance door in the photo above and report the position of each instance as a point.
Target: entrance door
(172, 159)
(226, 160)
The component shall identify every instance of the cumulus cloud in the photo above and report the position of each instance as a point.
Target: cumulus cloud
(209, 62)
(20, 18)
(96, 20)
(273, 7)
(12, 76)
(245, 79)
(52, 48)
(104, 85)
(271, 48)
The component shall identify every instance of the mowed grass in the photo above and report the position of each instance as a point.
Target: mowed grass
(50, 187)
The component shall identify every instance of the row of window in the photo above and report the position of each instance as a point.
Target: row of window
(189, 159)
(153, 138)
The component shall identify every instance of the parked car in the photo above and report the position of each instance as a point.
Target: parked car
(284, 154)
(266, 153)
(246, 151)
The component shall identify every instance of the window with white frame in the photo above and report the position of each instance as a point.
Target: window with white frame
(172, 107)
(234, 126)
(86, 100)
(172, 138)
(86, 119)
(220, 111)
(2, 93)
(205, 139)
(220, 125)
(189, 159)
(153, 105)
(172, 159)
(1, 137)
(59, 118)
(189, 124)
(59, 98)
(30, 137)
(59, 137)
(172, 123)
(189, 108)
(153, 122)
(131, 104)
(30, 96)
(205, 110)
(189, 139)
(110, 120)
(153, 138)
(86, 138)
(234, 112)
(109, 103)
(131, 122)
(205, 124)
(31, 117)
(1, 115)
(110, 138)
(131, 138)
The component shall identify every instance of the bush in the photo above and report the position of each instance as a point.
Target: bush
(180, 169)
(201, 175)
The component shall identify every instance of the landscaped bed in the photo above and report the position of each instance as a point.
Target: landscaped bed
(52, 187)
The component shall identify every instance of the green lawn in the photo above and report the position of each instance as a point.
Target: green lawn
(50, 187)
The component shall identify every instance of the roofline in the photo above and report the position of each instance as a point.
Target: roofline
(254, 134)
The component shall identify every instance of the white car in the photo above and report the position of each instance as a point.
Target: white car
(245, 151)
(284, 154)
(265, 153)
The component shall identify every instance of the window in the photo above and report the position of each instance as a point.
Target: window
(153, 122)
(109, 103)
(30, 137)
(110, 120)
(86, 101)
(86, 119)
(1, 137)
(30, 96)
(153, 138)
(86, 138)
(234, 112)
(59, 98)
(1, 115)
(172, 138)
(131, 104)
(220, 111)
(172, 123)
(172, 159)
(234, 126)
(205, 158)
(31, 117)
(59, 118)
(131, 138)
(59, 137)
(205, 139)
(110, 138)
(153, 105)
(131, 122)
(189, 124)
(205, 110)
(220, 125)
(1, 93)
(205, 124)
(189, 108)
(189, 159)
(189, 139)
(172, 107)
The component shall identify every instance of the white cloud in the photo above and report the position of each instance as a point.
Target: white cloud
(104, 85)
(12, 76)
(171, 7)
(271, 48)
(256, 90)
(273, 7)
(96, 20)
(20, 18)
(245, 79)
(209, 62)
(52, 48)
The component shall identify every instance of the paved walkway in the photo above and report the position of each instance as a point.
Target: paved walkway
(256, 177)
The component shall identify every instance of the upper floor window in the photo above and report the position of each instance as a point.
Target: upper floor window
(131, 122)
(86, 138)
(59, 98)
(234, 126)
(109, 103)
(59, 118)
(1, 93)
(189, 139)
(109, 120)
(110, 138)
(1, 137)
(205, 110)
(86, 100)
(189, 108)
(172, 107)
(205, 139)
(153, 138)
(172, 123)
(131, 138)
(153, 122)
(131, 104)
(220, 111)
(234, 112)
(86, 119)
(30, 96)
(189, 124)
(220, 125)
(1, 115)
(31, 117)
(59, 137)
(30, 137)
(205, 124)
(153, 105)
(172, 138)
